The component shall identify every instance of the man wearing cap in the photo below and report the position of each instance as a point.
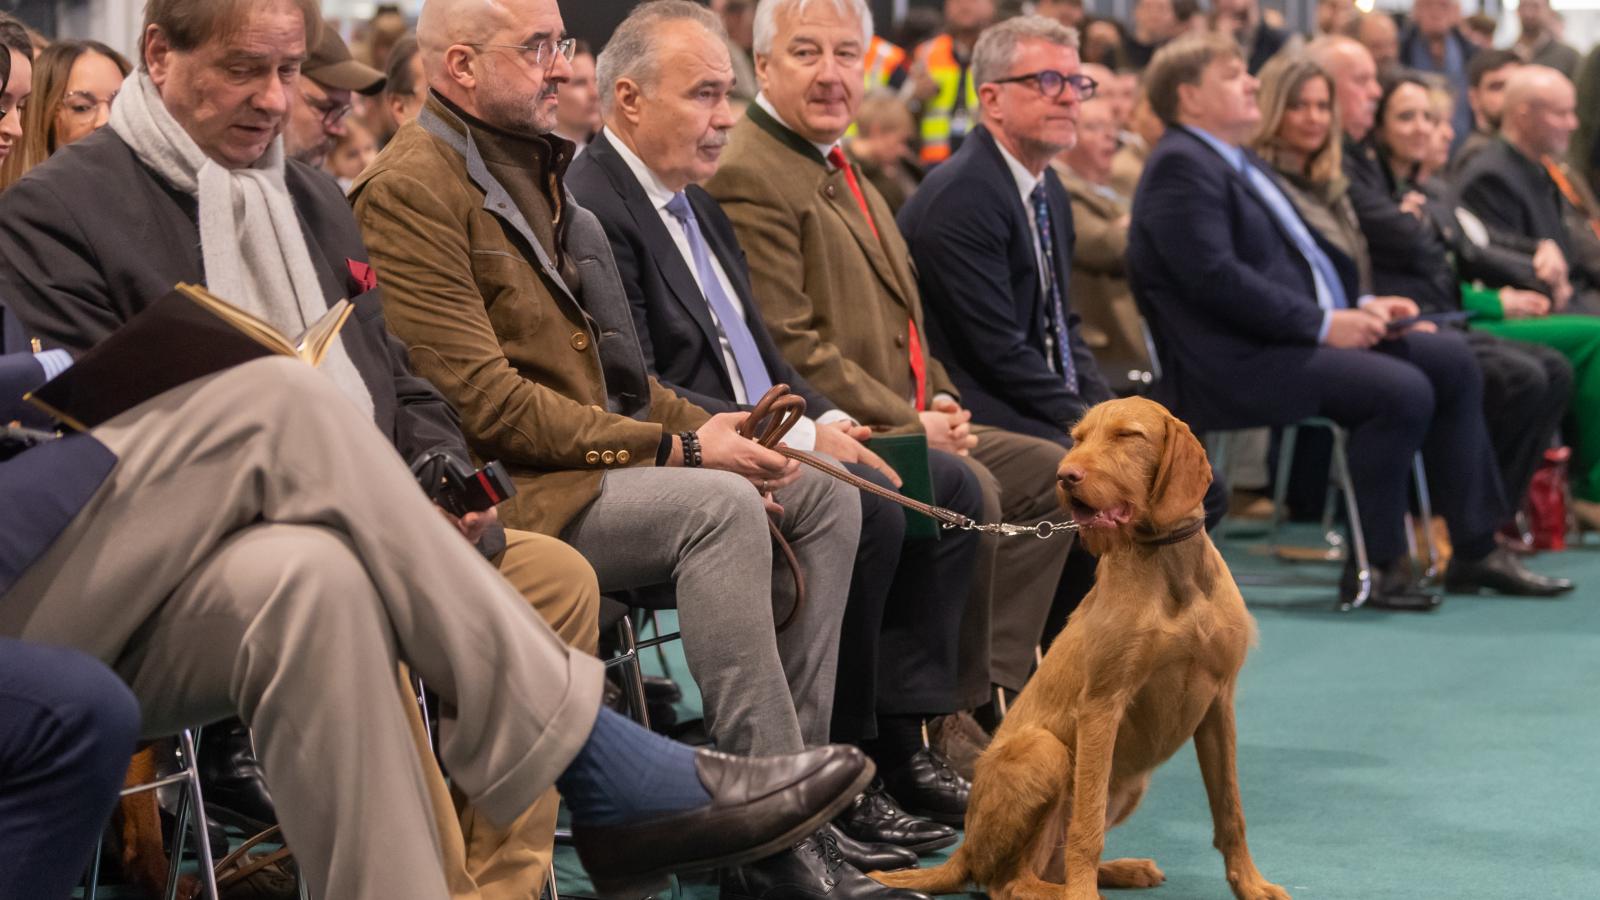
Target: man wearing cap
(319, 104)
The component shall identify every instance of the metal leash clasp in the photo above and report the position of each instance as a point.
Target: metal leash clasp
(1042, 531)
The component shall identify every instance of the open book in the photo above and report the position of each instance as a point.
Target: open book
(188, 334)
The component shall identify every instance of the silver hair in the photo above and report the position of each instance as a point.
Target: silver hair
(766, 26)
(997, 47)
(634, 50)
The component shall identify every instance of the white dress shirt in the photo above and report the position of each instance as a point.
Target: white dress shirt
(804, 434)
(1026, 183)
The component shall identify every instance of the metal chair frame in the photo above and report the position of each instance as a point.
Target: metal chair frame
(190, 799)
(1340, 483)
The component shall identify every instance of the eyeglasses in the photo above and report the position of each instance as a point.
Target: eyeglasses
(82, 105)
(543, 52)
(1051, 83)
(332, 113)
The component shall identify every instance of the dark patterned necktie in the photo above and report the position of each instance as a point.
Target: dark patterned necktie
(1058, 307)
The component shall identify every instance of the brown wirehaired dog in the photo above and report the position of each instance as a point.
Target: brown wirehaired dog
(1148, 661)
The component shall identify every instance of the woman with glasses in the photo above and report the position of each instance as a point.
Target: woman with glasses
(74, 83)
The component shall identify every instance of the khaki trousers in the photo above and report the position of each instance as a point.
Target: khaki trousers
(1018, 475)
(260, 550)
(483, 861)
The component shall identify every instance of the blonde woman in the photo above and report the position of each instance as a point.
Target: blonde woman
(74, 83)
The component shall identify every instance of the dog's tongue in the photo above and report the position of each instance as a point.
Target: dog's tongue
(1089, 517)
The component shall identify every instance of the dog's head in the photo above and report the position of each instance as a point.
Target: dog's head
(1133, 466)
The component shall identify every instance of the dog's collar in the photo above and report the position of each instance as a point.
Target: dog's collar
(1173, 537)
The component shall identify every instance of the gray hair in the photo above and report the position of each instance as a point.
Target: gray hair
(766, 26)
(634, 50)
(997, 47)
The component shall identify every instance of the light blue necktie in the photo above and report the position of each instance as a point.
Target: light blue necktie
(752, 371)
(1329, 287)
(1058, 307)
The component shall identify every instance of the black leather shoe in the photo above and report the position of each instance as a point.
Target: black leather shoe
(813, 870)
(661, 690)
(1393, 588)
(927, 786)
(230, 778)
(1501, 572)
(758, 807)
(869, 857)
(875, 819)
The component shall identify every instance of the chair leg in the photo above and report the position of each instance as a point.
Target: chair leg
(661, 649)
(1358, 540)
(1280, 487)
(550, 879)
(91, 882)
(632, 673)
(1425, 508)
(202, 839)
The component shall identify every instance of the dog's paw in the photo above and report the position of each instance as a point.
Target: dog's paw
(1263, 890)
(1130, 873)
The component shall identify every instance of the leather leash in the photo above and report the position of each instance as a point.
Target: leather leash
(779, 410)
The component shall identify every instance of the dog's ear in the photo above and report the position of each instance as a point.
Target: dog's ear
(1182, 476)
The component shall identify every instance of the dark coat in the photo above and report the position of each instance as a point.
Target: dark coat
(1408, 258)
(1511, 192)
(1228, 296)
(676, 331)
(1268, 41)
(93, 236)
(972, 242)
(43, 487)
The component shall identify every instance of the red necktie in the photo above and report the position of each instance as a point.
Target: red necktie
(919, 365)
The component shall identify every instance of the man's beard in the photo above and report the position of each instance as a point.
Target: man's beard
(519, 115)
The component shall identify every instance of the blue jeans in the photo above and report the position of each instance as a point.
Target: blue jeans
(67, 729)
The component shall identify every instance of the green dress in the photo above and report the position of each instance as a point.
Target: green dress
(1578, 339)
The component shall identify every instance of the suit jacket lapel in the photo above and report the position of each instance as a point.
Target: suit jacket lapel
(664, 251)
(837, 196)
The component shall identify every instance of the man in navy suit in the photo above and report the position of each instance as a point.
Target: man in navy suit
(67, 725)
(703, 336)
(991, 233)
(1257, 323)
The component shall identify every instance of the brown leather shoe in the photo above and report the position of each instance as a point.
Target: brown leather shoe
(959, 739)
(759, 806)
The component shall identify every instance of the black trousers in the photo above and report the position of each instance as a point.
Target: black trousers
(902, 625)
(1418, 391)
(1526, 389)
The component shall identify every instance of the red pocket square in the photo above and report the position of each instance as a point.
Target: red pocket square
(365, 278)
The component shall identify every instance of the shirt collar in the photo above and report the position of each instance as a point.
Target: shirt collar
(1233, 155)
(1026, 181)
(765, 104)
(658, 193)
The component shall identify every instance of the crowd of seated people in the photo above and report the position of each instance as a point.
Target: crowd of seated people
(589, 262)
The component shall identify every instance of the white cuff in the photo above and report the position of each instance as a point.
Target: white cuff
(803, 436)
(836, 415)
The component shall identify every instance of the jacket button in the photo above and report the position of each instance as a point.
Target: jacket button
(592, 457)
(624, 456)
(829, 190)
(580, 341)
(608, 457)
(899, 340)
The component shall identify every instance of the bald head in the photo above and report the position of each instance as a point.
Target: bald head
(498, 60)
(1378, 32)
(1540, 111)
(1355, 81)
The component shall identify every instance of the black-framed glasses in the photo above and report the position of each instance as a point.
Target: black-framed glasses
(1051, 83)
(543, 52)
(332, 112)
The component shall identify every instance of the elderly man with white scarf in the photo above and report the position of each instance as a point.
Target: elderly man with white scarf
(189, 183)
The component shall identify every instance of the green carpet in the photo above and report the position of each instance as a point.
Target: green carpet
(1387, 755)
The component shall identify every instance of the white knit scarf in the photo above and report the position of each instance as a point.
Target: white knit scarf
(254, 252)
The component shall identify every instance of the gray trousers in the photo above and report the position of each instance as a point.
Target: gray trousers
(706, 532)
(1018, 474)
(260, 549)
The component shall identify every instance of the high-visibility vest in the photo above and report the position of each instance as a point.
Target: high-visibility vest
(883, 60)
(941, 126)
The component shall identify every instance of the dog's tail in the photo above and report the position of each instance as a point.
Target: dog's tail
(950, 878)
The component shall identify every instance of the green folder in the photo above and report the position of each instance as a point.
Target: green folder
(907, 454)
